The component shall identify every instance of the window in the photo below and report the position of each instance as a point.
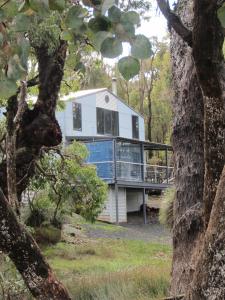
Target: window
(107, 122)
(77, 120)
(135, 127)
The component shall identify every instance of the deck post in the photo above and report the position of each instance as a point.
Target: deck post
(142, 163)
(167, 169)
(116, 185)
(144, 208)
(117, 203)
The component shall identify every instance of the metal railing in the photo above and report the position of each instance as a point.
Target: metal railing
(138, 172)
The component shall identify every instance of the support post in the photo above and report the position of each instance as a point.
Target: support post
(115, 179)
(117, 203)
(144, 208)
(167, 169)
(142, 163)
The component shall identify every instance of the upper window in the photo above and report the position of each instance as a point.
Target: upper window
(77, 119)
(107, 122)
(135, 127)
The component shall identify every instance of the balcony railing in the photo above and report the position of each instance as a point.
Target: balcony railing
(137, 172)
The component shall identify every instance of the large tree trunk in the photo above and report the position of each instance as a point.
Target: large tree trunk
(38, 127)
(27, 257)
(188, 155)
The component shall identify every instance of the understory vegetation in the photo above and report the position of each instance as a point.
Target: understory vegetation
(101, 269)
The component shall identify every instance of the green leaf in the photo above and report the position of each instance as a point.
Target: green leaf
(22, 23)
(99, 37)
(141, 47)
(221, 15)
(130, 17)
(40, 6)
(114, 14)
(67, 36)
(57, 5)
(128, 67)
(107, 4)
(99, 23)
(111, 48)
(74, 18)
(8, 87)
(25, 5)
(15, 70)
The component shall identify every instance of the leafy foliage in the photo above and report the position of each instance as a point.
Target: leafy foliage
(64, 184)
(26, 23)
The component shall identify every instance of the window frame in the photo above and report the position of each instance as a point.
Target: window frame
(135, 127)
(74, 111)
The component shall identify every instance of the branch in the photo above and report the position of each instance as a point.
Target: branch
(175, 22)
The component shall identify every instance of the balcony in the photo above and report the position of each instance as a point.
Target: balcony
(134, 172)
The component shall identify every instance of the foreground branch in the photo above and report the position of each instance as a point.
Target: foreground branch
(175, 22)
(27, 257)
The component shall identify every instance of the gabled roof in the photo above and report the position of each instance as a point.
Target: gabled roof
(83, 93)
(79, 94)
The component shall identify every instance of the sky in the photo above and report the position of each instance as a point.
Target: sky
(156, 26)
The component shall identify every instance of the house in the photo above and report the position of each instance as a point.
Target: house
(115, 137)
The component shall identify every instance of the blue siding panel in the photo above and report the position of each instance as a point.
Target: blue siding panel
(101, 155)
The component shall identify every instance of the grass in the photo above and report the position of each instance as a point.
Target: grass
(112, 269)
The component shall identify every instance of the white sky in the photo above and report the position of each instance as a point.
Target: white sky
(156, 26)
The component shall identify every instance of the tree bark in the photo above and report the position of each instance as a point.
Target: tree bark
(209, 276)
(208, 41)
(187, 140)
(27, 257)
(38, 127)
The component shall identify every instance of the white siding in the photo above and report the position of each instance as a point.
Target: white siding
(111, 104)
(88, 108)
(109, 212)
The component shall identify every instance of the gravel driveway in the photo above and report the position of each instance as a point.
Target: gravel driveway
(132, 231)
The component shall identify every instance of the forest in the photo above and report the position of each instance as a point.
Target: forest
(49, 48)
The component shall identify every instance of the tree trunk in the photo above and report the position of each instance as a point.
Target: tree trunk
(27, 257)
(149, 123)
(209, 275)
(187, 139)
(38, 128)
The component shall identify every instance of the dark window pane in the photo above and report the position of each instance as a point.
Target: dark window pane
(108, 121)
(100, 120)
(115, 123)
(77, 116)
(135, 127)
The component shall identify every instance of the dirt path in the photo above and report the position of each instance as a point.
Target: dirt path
(155, 233)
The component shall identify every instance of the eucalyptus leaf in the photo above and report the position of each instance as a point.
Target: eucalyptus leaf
(114, 14)
(8, 87)
(107, 4)
(221, 15)
(99, 37)
(130, 17)
(111, 48)
(141, 47)
(40, 6)
(57, 4)
(22, 22)
(15, 69)
(100, 23)
(75, 16)
(128, 67)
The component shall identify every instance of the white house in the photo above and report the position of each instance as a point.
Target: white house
(115, 137)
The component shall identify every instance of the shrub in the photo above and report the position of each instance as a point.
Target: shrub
(166, 210)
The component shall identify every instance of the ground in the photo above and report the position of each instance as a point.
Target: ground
(107, 262)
